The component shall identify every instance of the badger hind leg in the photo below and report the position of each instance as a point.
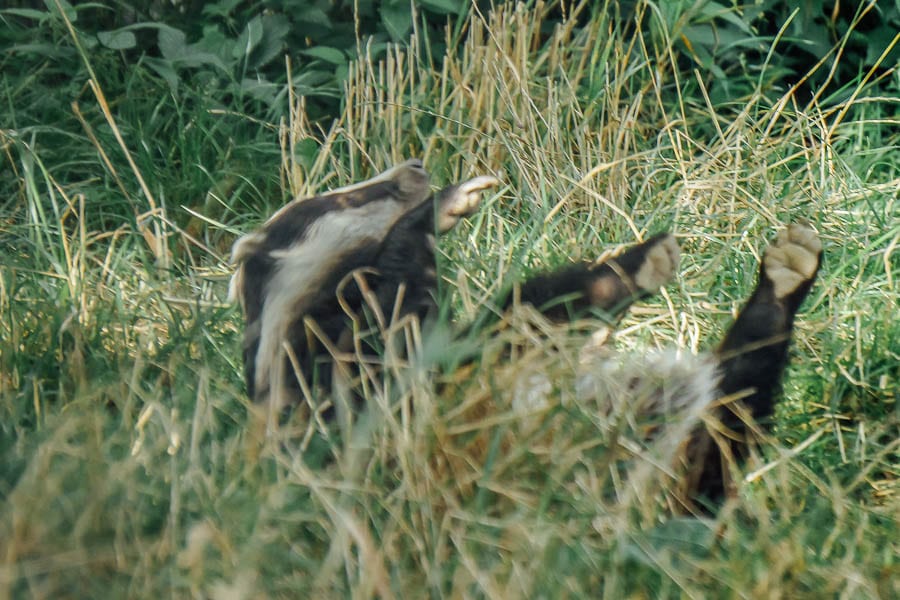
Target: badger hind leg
(611, 286)
(754, 353)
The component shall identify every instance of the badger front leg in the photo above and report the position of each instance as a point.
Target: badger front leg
(611, 286)
(401, 279)
(754, 353)
(406, 258)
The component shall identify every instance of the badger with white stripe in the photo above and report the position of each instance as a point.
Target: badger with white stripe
(308, 274)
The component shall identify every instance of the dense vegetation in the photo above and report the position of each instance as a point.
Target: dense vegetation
(137, 145)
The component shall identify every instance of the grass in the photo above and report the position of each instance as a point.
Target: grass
(133, 465)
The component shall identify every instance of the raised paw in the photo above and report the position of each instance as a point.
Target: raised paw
(792, 259)
(639, 271)
(660, 262)
(461, 200)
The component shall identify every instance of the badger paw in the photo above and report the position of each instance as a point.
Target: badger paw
(659, 265)
(461, 200)
(638, 272)
(792, 259)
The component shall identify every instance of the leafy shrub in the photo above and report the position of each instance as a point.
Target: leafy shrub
(237, 47)
(737, 48)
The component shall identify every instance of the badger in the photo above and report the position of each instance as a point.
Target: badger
(306, 276)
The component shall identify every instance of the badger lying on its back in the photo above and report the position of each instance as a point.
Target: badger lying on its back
(307, 274)
(292, 276)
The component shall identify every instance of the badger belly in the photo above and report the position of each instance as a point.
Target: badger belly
(660, 388)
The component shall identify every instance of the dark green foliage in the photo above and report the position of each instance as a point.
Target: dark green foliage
(738, 48)
(235, 49)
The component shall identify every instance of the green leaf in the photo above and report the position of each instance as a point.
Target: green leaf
(305, 152)
(164, 69)
(700, 35)
(445, 7)
(397, 19)
(314, 15)
(41, 49)
(223, 8)
(262, 90)
(681, 538)
(375, 50)
(117, 40)
(879, 39)
(249, 38)
(316, 82)
(67, 8)
(174, 48)
(275, 31)
(213, 40)
(714, 10)
(171, 42)
(341, 73)
(25, 13)
(326, 53)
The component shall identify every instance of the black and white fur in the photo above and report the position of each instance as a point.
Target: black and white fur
(307, 274)
(293, 276)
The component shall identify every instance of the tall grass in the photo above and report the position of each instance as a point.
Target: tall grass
(133, 465)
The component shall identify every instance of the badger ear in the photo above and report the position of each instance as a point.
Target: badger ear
(243, 248)
(458, 201)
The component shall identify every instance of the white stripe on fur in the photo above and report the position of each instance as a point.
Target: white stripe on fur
(301, 270)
